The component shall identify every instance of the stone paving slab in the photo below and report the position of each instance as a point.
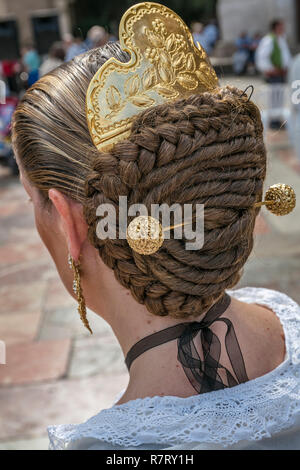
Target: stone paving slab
(26, 444)
(20, 228)
(26, 297)
(96, 356)
(39, 270)
(35, 362)
(27, 411)
(288, 157)
(280, 273)
(56, 295)
(13, 253)
(19, 327)
(65, 322)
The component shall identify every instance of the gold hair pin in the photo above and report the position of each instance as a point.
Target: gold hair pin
(165, 64)
(280, 199)
(145, 234)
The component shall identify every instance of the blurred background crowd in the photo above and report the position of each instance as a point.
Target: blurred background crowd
(49, 356)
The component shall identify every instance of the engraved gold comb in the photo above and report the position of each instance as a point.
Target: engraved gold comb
(164, 65)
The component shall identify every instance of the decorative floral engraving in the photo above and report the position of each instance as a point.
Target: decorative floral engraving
(171, 63)
(164, 65)
(133, 94)
(113, 97)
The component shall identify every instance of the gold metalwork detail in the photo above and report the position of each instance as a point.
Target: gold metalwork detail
(145, 235)
(78, 292)
(165, 65)
(280, 199)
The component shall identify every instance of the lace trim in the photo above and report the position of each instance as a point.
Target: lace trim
(252, 411)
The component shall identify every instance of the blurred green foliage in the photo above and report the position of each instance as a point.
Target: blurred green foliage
(108, 13)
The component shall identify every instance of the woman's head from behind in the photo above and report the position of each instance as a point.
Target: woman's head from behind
(206, 149)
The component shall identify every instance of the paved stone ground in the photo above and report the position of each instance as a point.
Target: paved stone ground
(56, 372)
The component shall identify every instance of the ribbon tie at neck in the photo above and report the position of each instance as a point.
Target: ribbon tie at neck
(202, 372)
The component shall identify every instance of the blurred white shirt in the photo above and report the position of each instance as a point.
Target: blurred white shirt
(264, 51)
(49, 64)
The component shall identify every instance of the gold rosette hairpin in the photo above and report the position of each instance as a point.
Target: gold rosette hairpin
(280, 199)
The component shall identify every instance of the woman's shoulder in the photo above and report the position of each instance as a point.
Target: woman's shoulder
(285, 308)
(265, 321)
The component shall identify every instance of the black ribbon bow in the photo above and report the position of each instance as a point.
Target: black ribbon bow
(204, 373)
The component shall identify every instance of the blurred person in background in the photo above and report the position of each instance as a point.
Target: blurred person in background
(255, 41)
(198, 32)
(241, 57)
(76, 47)
(211, 31)
(67, 41)
(112, 38)
(97, 36)
(31, 62)
(273, 59)
(55, 58)
(273, 55)
(10, 69)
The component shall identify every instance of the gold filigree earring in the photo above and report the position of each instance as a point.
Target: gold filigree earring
(76, 268)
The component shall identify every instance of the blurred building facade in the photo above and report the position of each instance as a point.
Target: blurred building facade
(255, 16)
(39, 21)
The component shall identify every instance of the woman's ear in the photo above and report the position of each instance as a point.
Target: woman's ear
(71, 220)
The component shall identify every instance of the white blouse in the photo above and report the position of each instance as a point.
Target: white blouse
(263, 413)
(264, 51)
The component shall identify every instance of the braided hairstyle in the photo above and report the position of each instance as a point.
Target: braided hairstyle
(206, 149)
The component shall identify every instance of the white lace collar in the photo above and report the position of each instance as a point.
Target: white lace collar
(252, 410)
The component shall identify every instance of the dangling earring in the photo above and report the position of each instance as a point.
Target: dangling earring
(78, 291)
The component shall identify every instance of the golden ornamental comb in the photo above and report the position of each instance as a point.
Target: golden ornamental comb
(165, 65)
